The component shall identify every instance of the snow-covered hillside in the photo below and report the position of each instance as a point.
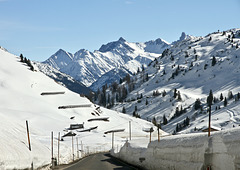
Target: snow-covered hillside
(193, 67)
(88, 67)
(21, 100)
(64, 79)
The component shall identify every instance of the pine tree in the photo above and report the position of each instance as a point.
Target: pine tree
(177, 112)
(225, 102)
(134, 114)
(138, 70)
(154, 121)
(154, 93)
(164, 93)
(146, 102)
(197, 104)
(179, 96)
(187, 121)
(214, 61)
(31, 68)
(135, 109)
(221, 97)
(25, 60)
(120, 81)
(143, 68)
(128, 78)
(147, 77)
(21, 57)
(210, 98)
(230, 95)
(175, 93)
(123, 110)
(164, 120)
(177, 128)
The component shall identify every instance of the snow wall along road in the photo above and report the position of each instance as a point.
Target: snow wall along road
(220, 151)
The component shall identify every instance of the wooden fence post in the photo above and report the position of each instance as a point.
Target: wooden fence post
(28, 136)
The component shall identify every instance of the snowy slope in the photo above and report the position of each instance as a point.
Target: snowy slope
(20, 100)
(62, 78)
(87, 67)
(187, 66)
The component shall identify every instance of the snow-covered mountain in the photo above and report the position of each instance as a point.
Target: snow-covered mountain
(33, 96)
(183, 36)
(111, 76)
(88, 67)
(192, 66)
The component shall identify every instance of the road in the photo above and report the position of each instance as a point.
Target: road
(100, 161)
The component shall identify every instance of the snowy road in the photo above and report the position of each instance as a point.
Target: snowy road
(99, 161)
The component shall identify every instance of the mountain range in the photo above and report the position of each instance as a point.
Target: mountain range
(113, 58)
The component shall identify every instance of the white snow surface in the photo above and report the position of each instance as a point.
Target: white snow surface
(20, 100)
(192, 57)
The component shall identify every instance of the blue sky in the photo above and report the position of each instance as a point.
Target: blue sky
(38, 28)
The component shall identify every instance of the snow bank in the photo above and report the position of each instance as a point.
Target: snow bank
(190, 151)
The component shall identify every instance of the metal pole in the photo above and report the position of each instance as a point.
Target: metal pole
(150, 136)
(72, 148)
(129, 130)
(112, 140)
(209, 121)
(52, 148)
(77, 148)
(58, 147)
(28, 136)
(81, 148)
(158, 133)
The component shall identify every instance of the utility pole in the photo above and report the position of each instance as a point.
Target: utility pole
(158, 133)
(28, 136)
(129, 130)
